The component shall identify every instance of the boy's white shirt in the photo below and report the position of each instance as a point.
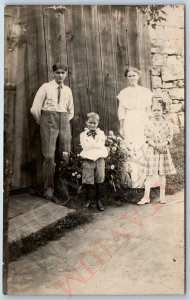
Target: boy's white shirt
(93, 148)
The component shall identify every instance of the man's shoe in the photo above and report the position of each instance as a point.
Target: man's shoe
(53, 198)
(48, 196)
(56, 200)
(89, 204)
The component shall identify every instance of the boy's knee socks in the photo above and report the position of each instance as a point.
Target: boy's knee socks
(98, 190)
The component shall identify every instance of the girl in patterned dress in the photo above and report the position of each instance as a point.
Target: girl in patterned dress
(159, 134)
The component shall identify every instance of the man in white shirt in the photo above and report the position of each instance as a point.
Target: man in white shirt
(53, 109)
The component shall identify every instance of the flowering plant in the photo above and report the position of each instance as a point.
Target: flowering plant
(118, 154)
(72, 172)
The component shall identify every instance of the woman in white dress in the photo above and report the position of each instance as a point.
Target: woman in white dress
(133, 113)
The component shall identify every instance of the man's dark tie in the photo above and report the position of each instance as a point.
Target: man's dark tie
(59, 93)
(92, 133)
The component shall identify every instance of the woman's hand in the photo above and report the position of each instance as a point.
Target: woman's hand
(151, 143)
(161, 147)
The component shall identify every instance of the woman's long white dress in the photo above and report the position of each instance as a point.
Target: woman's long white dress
(133, 105)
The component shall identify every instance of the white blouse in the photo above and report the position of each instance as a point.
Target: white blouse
(133, 98)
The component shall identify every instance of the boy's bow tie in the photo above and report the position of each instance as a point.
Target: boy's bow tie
(92, 133)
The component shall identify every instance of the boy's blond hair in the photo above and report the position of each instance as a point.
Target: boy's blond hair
(93, 115)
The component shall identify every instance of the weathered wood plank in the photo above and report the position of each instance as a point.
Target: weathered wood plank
(108, 109)
(144, 50)
(120, 47)
(9, 102)
(9, 121)
(76, 51)
(95, 88)
(55, 39)
(21, 154)
(8, 21)
(33, 214)
(133, 50)
(36, 74)
(35, 220)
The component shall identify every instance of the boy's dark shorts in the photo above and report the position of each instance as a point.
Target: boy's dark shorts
(93, 171)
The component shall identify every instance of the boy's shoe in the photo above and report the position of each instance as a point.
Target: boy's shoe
(89, 204)
(143, 201)
(163, 201)
(100, 205)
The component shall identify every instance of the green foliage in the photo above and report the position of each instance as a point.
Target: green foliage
(154, 14)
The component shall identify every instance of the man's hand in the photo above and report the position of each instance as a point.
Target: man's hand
(121, 132)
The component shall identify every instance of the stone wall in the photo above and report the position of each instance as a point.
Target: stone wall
(167, 50)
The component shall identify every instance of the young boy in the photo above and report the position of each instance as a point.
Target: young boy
(92, 140)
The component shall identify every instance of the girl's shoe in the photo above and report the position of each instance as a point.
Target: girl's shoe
(143, 201)
(163, 201)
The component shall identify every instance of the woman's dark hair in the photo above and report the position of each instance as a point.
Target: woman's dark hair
(132, 69)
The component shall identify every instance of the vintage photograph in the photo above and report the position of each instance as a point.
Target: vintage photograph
(94, 109)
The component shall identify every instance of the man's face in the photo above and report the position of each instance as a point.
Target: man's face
(92, 124)
(60, 76)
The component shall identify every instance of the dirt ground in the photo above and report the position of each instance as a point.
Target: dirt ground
(126, 250)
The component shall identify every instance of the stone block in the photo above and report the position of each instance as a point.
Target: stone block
(175, 101)
(175, 108)
(175, 15)
(181, 119)
(166, 33)
(174, 118)
(172, 72)
(173, 46)
(177, 93)
(167, 85)
(157, 92)
(166, 97)
(154, 50)
(156, 71)
(156, 82)
(158, 59)
(180, 83)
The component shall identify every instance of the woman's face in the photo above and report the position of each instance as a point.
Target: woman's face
(133, 78)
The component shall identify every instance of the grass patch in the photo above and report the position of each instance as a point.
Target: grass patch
(175, 182)
(52, 232)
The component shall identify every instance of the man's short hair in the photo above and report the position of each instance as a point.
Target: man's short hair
(94, 116)
(58, 66)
